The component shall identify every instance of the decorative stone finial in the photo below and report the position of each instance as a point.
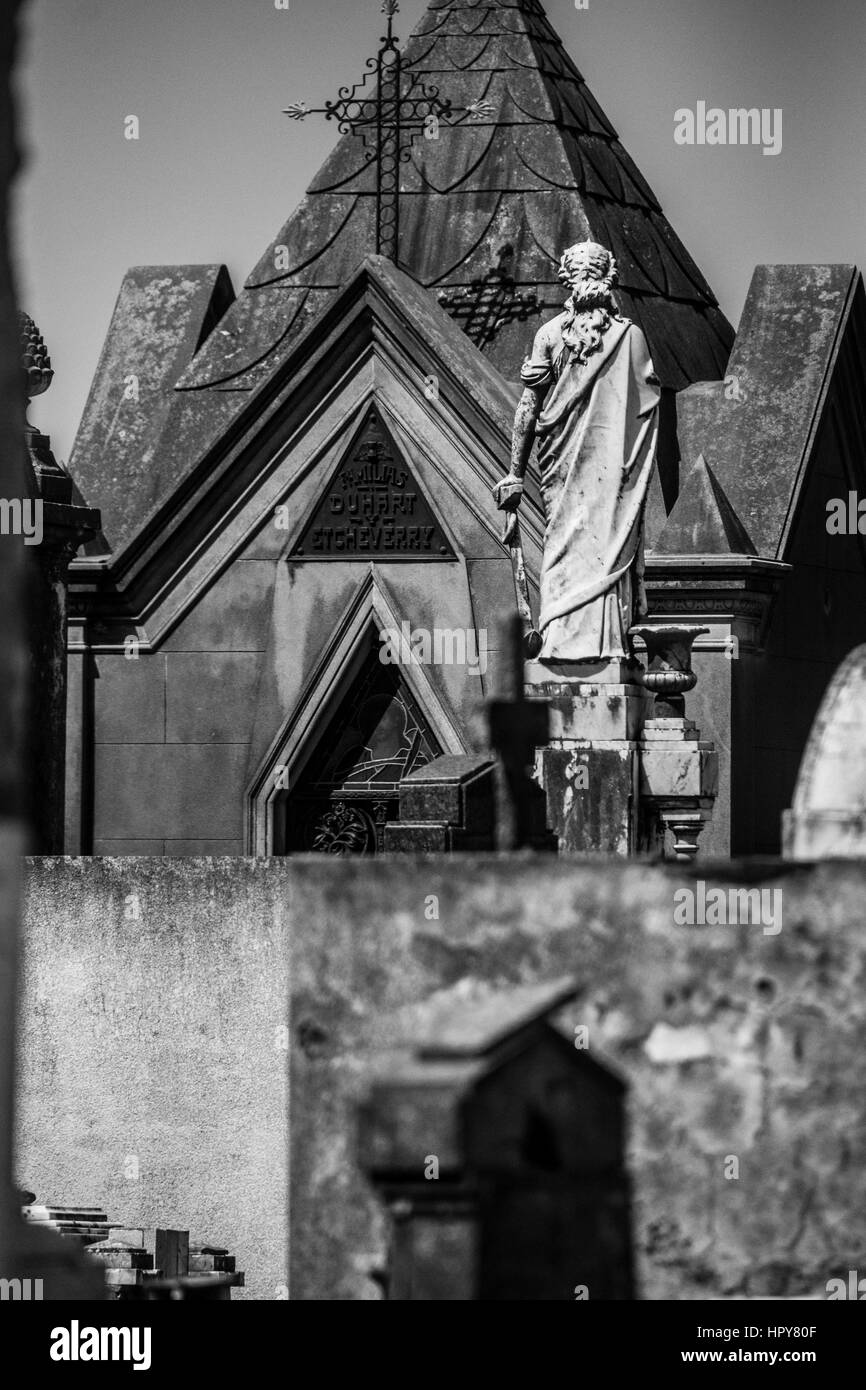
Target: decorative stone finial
(35, 362)
(52, 482)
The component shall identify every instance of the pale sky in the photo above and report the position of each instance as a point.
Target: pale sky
(218, 169)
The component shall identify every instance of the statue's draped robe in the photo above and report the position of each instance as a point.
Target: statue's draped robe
(596, 436)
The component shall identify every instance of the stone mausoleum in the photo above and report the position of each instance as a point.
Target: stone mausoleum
(286, 472)
(223, 1039)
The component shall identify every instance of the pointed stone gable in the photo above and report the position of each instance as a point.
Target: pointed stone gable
(792, 383)
(485, 212)
(162, 315)
(702, 521)
(381, 348)
(373, 507)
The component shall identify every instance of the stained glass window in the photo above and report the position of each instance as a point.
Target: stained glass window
(348, 790)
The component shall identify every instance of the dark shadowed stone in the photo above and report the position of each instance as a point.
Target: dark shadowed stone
(372, 504)
(446, 805)
(24, 1252)
(449, 805)
(64, 525)
(448, 789)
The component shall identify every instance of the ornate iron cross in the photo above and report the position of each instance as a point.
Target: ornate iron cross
(389, 122)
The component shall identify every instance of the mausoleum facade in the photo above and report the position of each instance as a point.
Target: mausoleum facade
(287, 474)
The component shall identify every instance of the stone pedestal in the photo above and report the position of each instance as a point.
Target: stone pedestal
(623, 770)
(445, 806)
(679, 774)
(590, 768)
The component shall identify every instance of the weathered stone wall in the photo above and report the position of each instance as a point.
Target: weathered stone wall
(157, 1038)
(153, 1051)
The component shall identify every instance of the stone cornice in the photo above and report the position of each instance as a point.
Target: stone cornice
(740, 587)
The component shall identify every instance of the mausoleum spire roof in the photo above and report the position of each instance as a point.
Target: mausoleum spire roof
(485, 209)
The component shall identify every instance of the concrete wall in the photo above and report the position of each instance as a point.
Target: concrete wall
(157, 1038)
(159, 1042)
(734, 1043)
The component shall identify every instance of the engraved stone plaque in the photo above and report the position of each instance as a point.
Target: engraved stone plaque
(373, 505)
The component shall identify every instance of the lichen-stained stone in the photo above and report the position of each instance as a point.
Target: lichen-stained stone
(162, 315)
(794, 361)
(747, 1123)
(676, 1045)
(178, 1032)
(687, 769)
(591, 795)
(739, 998)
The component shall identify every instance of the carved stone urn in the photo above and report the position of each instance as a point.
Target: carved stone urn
(669, 671)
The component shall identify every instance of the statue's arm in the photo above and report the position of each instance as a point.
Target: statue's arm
(523, 433)
(509, 490)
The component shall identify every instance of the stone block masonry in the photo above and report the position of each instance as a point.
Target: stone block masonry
(158, 1039)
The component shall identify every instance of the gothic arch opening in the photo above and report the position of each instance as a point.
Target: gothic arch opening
(347, 790)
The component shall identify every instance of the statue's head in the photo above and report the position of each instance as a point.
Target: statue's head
(590, 272)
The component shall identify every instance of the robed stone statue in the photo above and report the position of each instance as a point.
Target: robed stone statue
(591, 401)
